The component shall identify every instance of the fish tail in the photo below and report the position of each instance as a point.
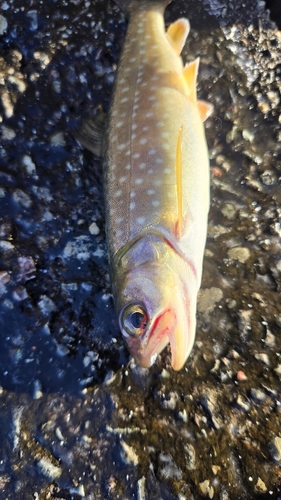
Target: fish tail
(129, 5)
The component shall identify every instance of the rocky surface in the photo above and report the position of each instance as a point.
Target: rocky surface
(78, 418)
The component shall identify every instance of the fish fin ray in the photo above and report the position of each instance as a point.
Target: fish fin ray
(205, 109)
(91, 133)
(190, 72)
(177, 34)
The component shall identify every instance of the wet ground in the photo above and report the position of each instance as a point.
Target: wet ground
(78, 418)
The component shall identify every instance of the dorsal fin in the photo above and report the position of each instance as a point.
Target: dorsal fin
(205, 109)
(179, 225)
(177, 34)
(190, 75)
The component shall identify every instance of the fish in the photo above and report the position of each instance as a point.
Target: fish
(156, 185)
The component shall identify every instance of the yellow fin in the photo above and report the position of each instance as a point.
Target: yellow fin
(190, 75)
(179, 225)
(205, 109)
(177, 34)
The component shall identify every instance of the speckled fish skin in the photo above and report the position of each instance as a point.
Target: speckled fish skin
(156, 231)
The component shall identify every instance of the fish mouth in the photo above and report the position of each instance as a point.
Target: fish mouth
(159, 337)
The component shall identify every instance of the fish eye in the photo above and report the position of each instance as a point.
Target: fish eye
(133, 320)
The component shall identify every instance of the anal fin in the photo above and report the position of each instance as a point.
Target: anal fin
(205, 109)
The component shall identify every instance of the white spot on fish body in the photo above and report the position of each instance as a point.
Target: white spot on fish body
(132, 205)
(152, 151)
(121, 146)
(122, 179)
(120, 124)
(167, 170)
(158, 182)
(143, 140)
(160, 124)
(159, 160)
(119, 220)
(132, 60)
(132, 194)
(139, 181)
(118, 193)
(119, 233)
(134, 126)
(155, 203)
(128, 166)
(124, 99)
(136, 155)
(150, 192)
(149, 114)
(141, 220)
(142, 165)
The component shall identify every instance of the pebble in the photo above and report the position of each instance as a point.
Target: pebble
(7, 105)
(206, 488)
(260, 485)
(8, 133)
(261, 356)
(29, 166)
(22, 198)
(128, 454)
(37, 393)
(57, 139)
(3, 25)
(275, 449)
(32, 14)
(94, 229)
(240, 254)
(5, 246)
(258, 395)
(243, 404)
(48, 469)
(43, 58)
(4, 277)
(229, 211)
(20, 293)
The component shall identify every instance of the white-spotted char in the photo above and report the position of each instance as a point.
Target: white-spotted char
(156, 187)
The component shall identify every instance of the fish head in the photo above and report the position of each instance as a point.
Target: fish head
(155, 296)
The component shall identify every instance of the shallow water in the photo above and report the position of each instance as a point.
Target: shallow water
(79, 419)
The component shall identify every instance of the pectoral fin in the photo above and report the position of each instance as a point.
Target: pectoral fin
(177, 34)
(91, 133)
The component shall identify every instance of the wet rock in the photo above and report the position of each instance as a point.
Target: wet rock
(48, 469)
(275, 449)
(128, 454)
(4, 277)
(20, 293)
(260, 485)
(263, 357)
(170, 470)
(3, 25)
(240, 254)
(208, 298)
(207, 489)
(258, 395)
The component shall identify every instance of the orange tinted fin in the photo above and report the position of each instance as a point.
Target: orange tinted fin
(205, 109)
(177, 34)
(179, 225)
(190, 75)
